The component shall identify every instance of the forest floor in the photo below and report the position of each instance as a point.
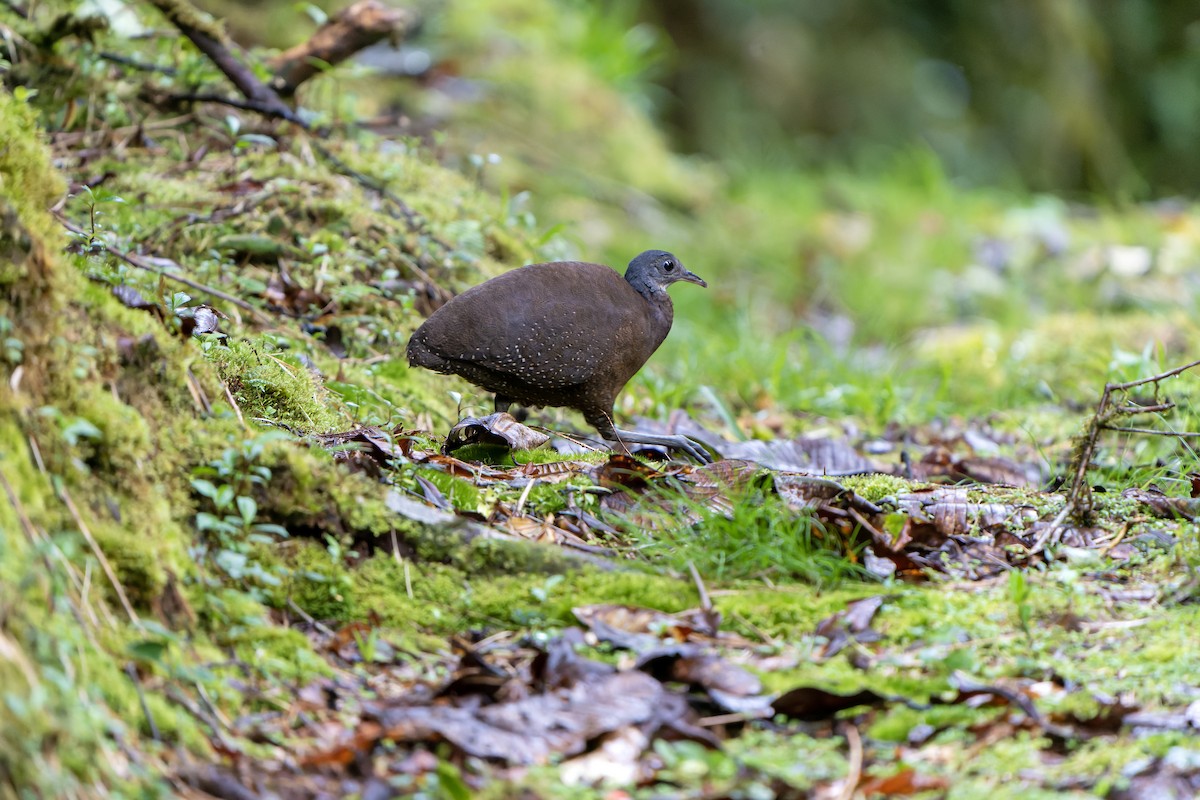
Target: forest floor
(236, 559)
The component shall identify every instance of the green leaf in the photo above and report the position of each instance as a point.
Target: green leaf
(450, 782)
(80, 428)
(147, 650)
(224, 497)
(204, 488)
(247, 508)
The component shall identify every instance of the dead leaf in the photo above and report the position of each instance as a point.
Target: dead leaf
(812, 704)
(495, 429)
(851, 624)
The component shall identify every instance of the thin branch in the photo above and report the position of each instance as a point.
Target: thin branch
(350, 30)
(143, 66)
(1079, 497)
(104, 563)
(1171, 373)
(1154, 409)
(15, 7)
(131, 671)
(211, 41)
(1152, 432)
(855, 757)
(257, 106)
(137, 261)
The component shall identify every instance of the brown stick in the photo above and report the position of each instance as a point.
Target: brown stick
(15, 7)
(354, 28)
(212, 42)
(1079, 497)
(135, 261)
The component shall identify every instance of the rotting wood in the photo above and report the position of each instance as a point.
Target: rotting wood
(346, 33)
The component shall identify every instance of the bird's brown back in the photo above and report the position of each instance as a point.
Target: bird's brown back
(570, 333)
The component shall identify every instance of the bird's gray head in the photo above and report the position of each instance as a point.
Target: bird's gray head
(654, 270)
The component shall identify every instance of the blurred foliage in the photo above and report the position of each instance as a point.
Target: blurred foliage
(1066, 95)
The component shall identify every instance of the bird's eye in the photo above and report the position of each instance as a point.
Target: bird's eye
(669, 266)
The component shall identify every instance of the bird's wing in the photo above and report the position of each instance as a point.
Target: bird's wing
(546, 325)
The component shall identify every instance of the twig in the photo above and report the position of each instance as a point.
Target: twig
(236, 408)
(304, 615)
(705, 601)
(1052, 534)
(31, 533)
(415, 221)
(1079, 496)
(201, 714)
(210, 41)
(1120, 537)
(350, 30)
(731, 718)
(262, 99)
(524, 496)
(137, 261)
(15, 7)
(1157, 408)
(572, 439)
(1171, 373)
(12, 653)
(197, 392)
(104, 564)
(854, 742)
(766, 637)
(134, 63)
(131, 671)
(1152, 432)
(964, 684)
(257, 106)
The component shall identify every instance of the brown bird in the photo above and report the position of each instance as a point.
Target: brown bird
(566, 333)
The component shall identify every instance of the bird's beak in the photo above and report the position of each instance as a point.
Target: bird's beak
(692, 277)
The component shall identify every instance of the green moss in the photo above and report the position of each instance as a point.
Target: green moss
(277, 653)
(461, 493)
(876, 486)
(315, 582)
(27, 179)
(138, 561)
(440, 593)
(274, 387)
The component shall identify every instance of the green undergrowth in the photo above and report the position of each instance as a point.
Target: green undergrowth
(756, 535)
(217, 525)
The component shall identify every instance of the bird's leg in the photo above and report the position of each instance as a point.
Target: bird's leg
(503, 404)
(612, 433)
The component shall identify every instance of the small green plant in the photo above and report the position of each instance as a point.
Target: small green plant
(95, 199)
(1019, 593)
(746, 534)
(12, 348)
(542, 593)
(229, 527)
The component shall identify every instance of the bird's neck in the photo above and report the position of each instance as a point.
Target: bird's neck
(659, 301)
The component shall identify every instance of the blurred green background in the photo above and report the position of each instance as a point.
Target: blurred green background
(1055, 95)
(903, 209)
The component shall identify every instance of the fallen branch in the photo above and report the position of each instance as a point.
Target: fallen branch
(212, 42)
(15, 7)
(263, 99)
(136, 261)
(1079, 497)
(349, 31)
(267, 109)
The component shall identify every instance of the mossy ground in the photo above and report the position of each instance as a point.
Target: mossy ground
(154, 437)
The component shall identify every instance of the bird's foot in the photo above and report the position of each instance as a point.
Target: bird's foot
(693, 448)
